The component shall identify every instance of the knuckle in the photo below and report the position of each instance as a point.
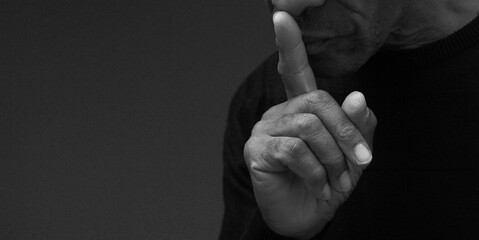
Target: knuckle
(320, 99)
(251, 144)
(250, 147)
(268, 114)
(307, 123)
(293, 146)
(256, 154)
(314, 98)
(273, 146)
(346, 131)
(273, 111)
(259, 127)
(273, 152)
(286, 119)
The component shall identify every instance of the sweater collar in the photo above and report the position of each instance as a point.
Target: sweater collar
(429, 54)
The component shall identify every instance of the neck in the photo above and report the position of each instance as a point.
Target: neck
(427, 21)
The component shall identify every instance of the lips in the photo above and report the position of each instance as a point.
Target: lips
(309, 38)
(315, 42)
(311, 35)
(315, 47)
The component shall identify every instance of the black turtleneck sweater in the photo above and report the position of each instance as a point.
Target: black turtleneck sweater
(423, 182)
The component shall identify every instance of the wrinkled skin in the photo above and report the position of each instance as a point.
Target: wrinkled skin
(307, 154)
(356, 29)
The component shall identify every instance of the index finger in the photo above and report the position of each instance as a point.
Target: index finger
(293, 65)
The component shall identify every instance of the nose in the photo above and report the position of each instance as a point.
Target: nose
(293, 7)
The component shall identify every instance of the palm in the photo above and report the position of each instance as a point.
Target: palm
(289, 206)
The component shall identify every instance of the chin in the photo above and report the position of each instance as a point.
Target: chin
(332, 69)
(337, 64)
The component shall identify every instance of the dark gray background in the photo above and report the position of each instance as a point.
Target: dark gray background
(112, 114)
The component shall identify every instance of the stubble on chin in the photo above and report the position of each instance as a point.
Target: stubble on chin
(344, 59)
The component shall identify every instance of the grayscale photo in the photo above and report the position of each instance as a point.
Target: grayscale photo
(247, 120)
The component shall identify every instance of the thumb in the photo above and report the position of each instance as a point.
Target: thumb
(358, 112)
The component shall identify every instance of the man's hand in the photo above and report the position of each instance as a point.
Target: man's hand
(308, 153)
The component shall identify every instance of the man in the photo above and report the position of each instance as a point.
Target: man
(293, 155)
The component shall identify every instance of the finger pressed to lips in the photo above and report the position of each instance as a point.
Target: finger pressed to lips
(315, 117)
(293, 66)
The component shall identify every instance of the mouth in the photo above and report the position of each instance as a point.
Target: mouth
(315, 47)
(309, 36)
(316, 43)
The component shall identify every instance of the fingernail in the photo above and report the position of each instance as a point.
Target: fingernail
(274, 15)
(345, 181)
(326, 193)
(363, 155)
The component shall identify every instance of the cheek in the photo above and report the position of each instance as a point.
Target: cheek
(341, 58)
(389, 16)
(371, 31)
